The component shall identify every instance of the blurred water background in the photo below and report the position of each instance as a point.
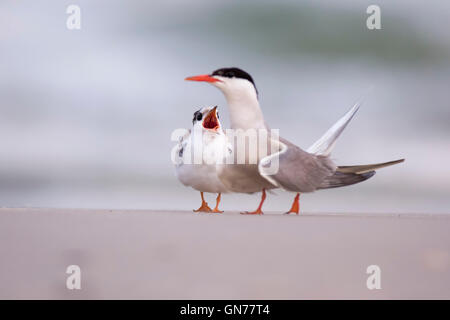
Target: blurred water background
(86, 115)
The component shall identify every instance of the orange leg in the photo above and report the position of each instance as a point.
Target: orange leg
(295, 205)
(216, 209)
(204, 207)
(258, 210)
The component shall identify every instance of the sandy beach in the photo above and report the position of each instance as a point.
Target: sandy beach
(181, 255)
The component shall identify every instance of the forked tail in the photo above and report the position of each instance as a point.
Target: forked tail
(348, 175)
(367, 167)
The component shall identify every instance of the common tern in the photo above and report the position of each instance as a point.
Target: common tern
(299, 171)
(197, 154)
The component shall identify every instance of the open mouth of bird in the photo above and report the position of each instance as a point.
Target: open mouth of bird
(211, 122)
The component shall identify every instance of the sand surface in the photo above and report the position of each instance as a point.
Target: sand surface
(181, 255)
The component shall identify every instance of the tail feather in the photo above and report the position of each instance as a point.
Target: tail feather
(348, 175)
(367, 167)
(340, 179)
(325, 144)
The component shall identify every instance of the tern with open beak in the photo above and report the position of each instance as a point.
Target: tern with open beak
(197, 154)
(299, 171)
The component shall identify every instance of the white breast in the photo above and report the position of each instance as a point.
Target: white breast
(203, 176)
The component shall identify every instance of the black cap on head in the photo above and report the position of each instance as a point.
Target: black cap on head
(234, 73)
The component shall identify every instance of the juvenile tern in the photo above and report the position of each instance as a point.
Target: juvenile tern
(197, 154)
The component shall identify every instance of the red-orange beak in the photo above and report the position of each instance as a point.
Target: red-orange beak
(202, 77)
(211, 121)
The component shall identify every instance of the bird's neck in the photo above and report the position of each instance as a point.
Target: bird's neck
(202, 138)
(245, 112)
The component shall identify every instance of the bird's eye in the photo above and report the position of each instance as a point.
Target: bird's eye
(229, 74)
(197, 116)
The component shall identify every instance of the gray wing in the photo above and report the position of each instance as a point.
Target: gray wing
(298, 170)
(306, 171)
